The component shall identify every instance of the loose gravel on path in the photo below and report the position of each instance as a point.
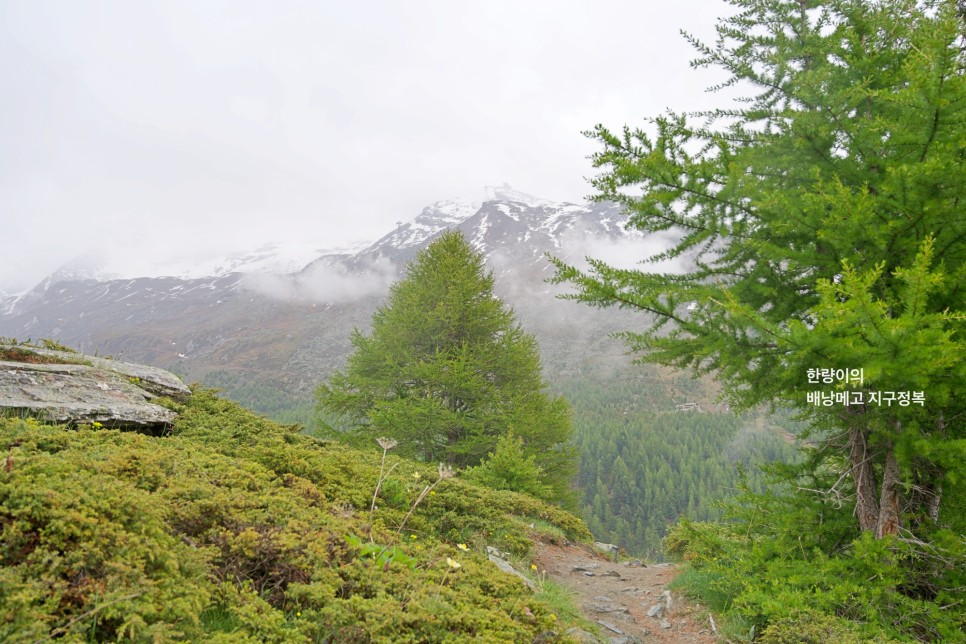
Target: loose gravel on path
(629, 601)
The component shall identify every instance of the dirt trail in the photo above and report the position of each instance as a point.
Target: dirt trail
(619, 596)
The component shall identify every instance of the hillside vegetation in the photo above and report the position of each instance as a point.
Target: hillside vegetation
(234, 528)
(644, 464)
(821, 211)
(449, 372)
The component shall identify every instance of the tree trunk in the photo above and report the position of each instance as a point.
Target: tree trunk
(934, 488)
(889, 500)
(932, 505)
(926, 493)
(866, 504)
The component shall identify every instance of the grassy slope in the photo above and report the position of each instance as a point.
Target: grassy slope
(234, 529)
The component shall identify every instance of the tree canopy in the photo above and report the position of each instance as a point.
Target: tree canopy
(447, 371)
(821, 222)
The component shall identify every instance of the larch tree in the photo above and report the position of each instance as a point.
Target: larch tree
(821, 222)
(447, 371)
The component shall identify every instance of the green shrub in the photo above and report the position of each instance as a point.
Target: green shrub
(786, 561)
(811, 627)
(234, 529)
(77, 542)
(509, 468)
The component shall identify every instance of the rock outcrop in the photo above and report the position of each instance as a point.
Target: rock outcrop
(73, 388)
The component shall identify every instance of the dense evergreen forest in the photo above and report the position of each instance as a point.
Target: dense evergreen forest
(279, 405)
(642, 469)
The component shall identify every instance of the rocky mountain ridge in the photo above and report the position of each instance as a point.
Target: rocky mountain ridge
(292, 329)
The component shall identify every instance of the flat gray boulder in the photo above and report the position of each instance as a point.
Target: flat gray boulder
(609, 548)
(73, 388)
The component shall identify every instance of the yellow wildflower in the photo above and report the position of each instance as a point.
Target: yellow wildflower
(453, 564)
(462, 546)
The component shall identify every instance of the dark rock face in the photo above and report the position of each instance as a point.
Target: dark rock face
(74, 388)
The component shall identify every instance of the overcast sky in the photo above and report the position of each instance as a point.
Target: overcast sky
(160, 128)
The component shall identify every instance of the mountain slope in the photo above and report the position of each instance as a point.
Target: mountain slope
(291, 330)
(236, 529)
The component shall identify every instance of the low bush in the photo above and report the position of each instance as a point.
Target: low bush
(789, 562)
(236, 529)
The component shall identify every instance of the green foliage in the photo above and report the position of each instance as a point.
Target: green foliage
(642, 468)
(43, 343)
(629, 414)
(446, 371)
(798, 560)
(510, 468)
(712, 588)
(14, 350)
(49, 343)
(237, 529)
(546, 532)
(79, 543)
(382, 555)
(810, 627)
(277, 400)
(561, 602)
(822, 225)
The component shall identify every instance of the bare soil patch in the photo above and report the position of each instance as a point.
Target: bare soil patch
(618, 596)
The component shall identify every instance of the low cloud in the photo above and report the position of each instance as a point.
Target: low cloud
(632, 251)
(329, 283)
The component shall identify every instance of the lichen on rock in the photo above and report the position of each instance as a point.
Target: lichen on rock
(73, 388)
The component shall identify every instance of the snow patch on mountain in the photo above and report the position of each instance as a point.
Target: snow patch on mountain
(506, 193)
(273, 258)
(430, 222)
(478, 242)
(8, 303)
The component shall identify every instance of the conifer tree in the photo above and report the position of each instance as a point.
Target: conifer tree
(509, 468)
(822, 225)
(447, 371)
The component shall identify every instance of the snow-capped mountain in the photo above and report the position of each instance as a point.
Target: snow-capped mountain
(278, 313)
(270, 257)
(430, 222)
(506, 193)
